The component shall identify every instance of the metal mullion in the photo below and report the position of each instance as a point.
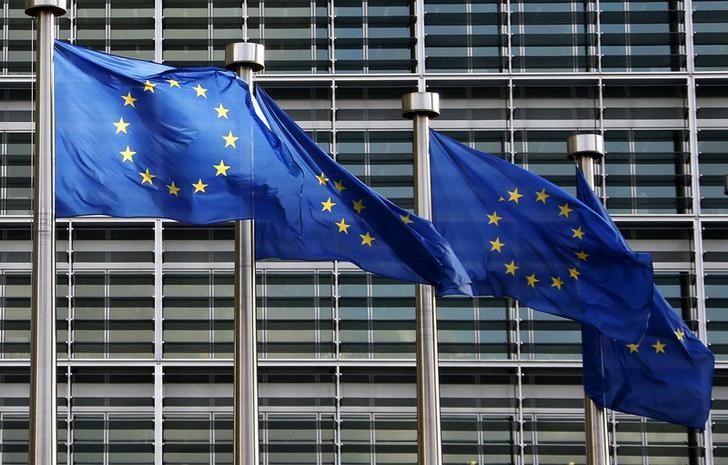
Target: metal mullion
(331, 29)
(210, 315)
(520, 459)
(262, 309)
(244, 11)
(598, 13)
(317, 315)
(158, 15)
(210, 33)
(312, 36)
(469, 34)
(158, 341)
(370, 317)
(107, 314)
(420, 51)
(5, 49)
(509, 36)
(365, 36)
(4, 168)
(107, 26)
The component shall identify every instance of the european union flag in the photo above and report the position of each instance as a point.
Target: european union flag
(667, 374)
(343, 219)
(521, 236)
(140, 139)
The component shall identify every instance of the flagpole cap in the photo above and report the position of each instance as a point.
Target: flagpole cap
(245, 53)
(421, 103)
(585, 145)
(57, 7)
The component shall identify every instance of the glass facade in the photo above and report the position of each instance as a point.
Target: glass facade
(145, 308)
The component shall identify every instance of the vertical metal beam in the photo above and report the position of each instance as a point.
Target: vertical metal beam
(43, 409)
(586, 149)
(245, 58)
(421, 106)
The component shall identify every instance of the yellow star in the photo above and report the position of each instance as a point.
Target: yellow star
(359, 206)
(328, 205)
(680, 334)
(199, 186)
(147, 176)
(514, 195)
(501, 199)
(659, 347)
(201, 91)
(532, 280)
(493, 218)
(339, 185)
(541, 196)
(322, 179)
(406, 219)
(230, 139)
(556, 282)
(173, 189)
(581, 255)
(496, 245)
(565, 210)
(511, 268)
(574, 273)
(173, 83)
(221, 168)
(129, 99)
(149, 87)
(578, 233)
(128, 154)
(366, 239)
(633, 348)
(343, 227)
(121, 126)
(222, 111)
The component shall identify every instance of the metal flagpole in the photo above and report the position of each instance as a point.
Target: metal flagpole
(420, 107)
(42, 434)
(245, 58)
(586, 149)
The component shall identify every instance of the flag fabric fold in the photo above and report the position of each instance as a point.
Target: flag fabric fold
(343, 219)
(667, 374)
(140, 139)
(521, 236)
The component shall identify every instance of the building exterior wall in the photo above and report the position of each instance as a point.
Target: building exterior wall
(145, 307)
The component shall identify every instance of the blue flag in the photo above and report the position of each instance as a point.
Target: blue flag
(140, 139)
(343, 219)
(519, 235)
(667, 374)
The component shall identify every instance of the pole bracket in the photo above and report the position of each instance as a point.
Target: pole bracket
(421, 103)
(35, 7)
(245, 53)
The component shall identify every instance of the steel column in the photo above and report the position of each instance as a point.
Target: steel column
(245, 58)
(43, 409)
(586, 149)
(420, 106)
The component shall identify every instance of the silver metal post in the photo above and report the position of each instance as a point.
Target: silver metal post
(421, 106)
(586, 149)
(245, 58)
(43, 434)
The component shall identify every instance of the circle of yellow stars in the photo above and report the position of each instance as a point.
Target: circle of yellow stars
(122, 127)
(499, 244)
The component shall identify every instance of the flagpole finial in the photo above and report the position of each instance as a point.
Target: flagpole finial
(417, 103)
(34, 7)
(591, 145)
(245, 53)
